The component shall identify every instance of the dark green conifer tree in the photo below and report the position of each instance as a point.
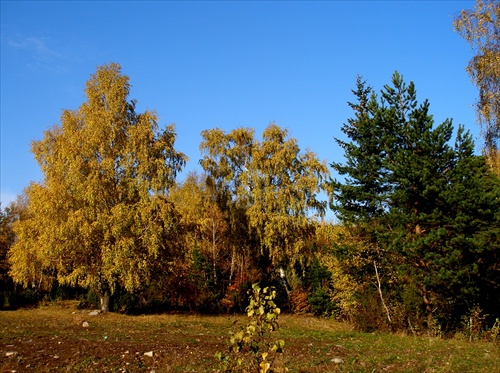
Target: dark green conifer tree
(363, 194)
(430, 209)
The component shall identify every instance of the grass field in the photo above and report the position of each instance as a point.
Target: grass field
(52, 339)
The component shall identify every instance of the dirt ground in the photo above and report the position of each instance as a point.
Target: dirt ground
(59, 341)
(54, 354)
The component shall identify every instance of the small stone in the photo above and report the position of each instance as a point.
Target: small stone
(337, 360)
(10, 353)
(85, 324)
(94, 313)
(149, 353)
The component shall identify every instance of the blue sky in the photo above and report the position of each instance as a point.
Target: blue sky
(226, 64)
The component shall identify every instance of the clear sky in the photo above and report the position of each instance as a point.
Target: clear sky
(224, 64)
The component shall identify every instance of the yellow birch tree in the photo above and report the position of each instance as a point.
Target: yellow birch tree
(480, 27)
(204, 223)
(226, 156)
(282, 184)
(100, 216)
(272, 184)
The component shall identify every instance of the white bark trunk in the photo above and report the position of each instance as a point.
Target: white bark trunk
(105, 302)
(232, 265)
(214, 250)
(380, 293)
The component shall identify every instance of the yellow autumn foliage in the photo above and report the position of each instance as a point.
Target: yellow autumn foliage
(480, 27)
(100, 216)
(345, 287)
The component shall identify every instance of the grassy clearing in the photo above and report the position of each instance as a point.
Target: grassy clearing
(51, 338)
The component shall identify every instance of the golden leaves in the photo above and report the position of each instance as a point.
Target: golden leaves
(481, 29)
(273, 179)
(98, 216)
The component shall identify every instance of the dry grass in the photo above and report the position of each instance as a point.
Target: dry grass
(51, 338)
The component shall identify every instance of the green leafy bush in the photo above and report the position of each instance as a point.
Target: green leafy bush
(251, 347)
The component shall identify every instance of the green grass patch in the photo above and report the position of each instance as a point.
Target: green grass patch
(52, 338)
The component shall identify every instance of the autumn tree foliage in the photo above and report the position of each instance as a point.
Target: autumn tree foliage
(426, 211)
(100, 218)
(205, 229)
(282, 185)
(480, 27)
(268, 188)
(207, 264)
(416, 244)
(225, 158)
(6, 241)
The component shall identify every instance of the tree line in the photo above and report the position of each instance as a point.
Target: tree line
(416, 246)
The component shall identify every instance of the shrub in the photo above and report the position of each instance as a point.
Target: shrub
(320, 302)
(298, 302)
(369, 316)
(235, 299)
(252, 348)
(88, 300)
(23, 297)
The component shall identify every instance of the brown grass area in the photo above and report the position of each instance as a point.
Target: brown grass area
(51, 339)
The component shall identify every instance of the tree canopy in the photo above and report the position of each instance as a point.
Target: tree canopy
(273, 180)
(428, 210)
(416, 244)
(100, 216)
(480, 27)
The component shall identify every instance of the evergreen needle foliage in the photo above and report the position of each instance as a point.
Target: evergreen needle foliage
(426, 211)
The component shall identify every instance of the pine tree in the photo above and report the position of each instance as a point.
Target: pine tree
(363, 194)
(427, 211)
